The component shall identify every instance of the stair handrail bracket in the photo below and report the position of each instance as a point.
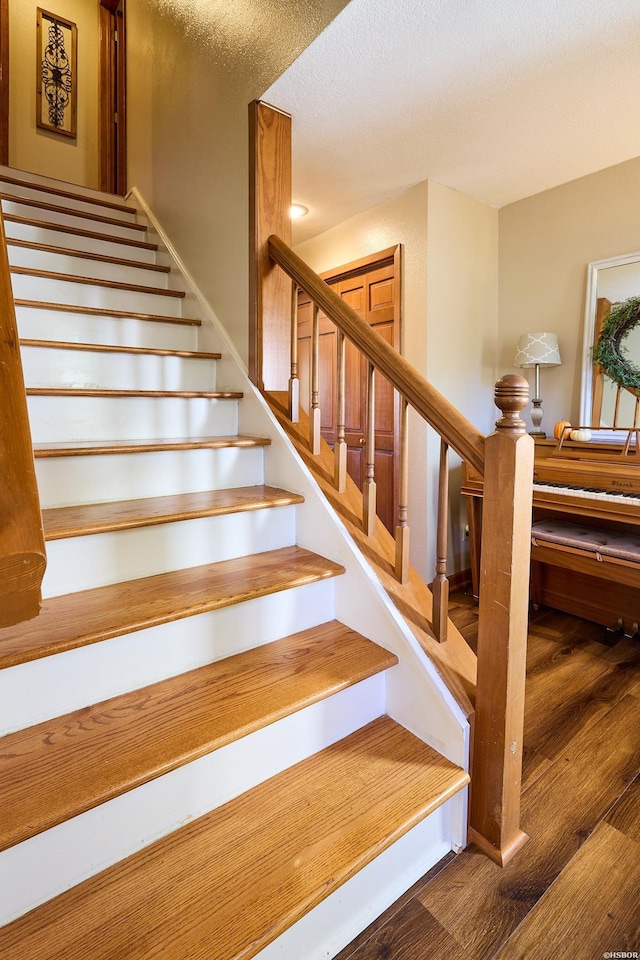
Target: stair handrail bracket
(22, 550)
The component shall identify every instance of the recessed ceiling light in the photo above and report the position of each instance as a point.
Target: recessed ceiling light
(297, 210)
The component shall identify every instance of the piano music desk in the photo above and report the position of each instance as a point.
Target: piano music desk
(567, 577)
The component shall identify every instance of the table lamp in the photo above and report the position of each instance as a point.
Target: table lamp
(537, 350)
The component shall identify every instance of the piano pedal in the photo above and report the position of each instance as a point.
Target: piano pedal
(635, 632)
(618, 630)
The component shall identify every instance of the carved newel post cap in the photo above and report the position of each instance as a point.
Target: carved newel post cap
(511, 395)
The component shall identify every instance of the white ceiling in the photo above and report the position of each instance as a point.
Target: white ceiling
(497, 98)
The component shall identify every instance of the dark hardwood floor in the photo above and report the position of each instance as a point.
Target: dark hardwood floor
(574, 889)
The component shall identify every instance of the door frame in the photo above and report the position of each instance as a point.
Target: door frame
(112, 161)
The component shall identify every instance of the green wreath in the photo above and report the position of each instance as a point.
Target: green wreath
(608, 351)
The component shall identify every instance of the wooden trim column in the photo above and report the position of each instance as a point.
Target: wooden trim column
(22, 551)
(502, 628)
(269, 287)
(4, 83)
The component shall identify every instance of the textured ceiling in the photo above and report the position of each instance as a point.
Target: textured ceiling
(495, 98)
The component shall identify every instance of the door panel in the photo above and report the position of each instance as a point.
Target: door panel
(372, 290)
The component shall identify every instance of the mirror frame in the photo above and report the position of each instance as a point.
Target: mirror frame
(586, 390)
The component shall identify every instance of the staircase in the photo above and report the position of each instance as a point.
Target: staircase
(219, 738)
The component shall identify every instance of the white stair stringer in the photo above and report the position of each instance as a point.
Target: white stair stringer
(412, 692)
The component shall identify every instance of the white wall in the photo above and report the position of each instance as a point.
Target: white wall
(36, 150)
(449, 310)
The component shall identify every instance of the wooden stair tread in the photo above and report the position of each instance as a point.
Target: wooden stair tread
(87, 519)
(86, 255)
(118, 394)
(118, 348)
(229, 883)
(78, 231)
(103, 312)
(63, 767)
(82, 448)
(79, 619)
(72, 212)
(58, 192)
(95, 282)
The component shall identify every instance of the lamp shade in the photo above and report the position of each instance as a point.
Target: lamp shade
(537, 348)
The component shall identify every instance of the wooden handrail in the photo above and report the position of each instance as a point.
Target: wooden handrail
(508, 479)
(453, 427)
(22, 551)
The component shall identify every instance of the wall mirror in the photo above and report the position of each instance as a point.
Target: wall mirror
(615, 279)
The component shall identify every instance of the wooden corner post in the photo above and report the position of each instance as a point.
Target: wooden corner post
(269, 287)
(22, 551)
(502, 630)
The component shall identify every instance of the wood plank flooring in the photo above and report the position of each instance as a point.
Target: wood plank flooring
(573, 889)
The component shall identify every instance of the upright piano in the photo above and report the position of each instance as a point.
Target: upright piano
(586, 483)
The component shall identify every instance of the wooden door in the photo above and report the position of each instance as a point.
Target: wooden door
(113, 98)
(111, 93)
(372, 288)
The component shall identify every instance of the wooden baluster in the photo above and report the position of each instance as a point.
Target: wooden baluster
(314, 413)
(369, 488)
(340, 448)
(502, 628)
(441, 584)
(294, 382)
(402, 528)
(616, 411)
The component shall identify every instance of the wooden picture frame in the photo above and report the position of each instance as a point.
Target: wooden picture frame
(56, 74)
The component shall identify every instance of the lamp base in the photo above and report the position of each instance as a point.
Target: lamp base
(536, 420)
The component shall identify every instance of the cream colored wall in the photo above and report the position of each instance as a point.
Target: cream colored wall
(400, 220)
(449, 303)
(546, 242)
(462, 312)
(193, 68)
(39, 151)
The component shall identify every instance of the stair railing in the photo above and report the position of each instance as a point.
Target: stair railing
(22, 550)
(505, 459)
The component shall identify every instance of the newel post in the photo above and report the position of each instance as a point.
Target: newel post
(269, 287)
(502, 628)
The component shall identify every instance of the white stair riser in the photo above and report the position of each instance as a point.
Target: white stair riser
(83, 267)
(77, 189)
(72, 220)
(57, 238)
(86, 295)
(81, 563)
(38, 869)
(33, 692)
(72, 203)
(336, 921)
(38, 323)
(57, 367)
(63, 481)
(107, 418)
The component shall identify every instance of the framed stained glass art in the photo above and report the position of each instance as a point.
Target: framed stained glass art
(56, 73)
